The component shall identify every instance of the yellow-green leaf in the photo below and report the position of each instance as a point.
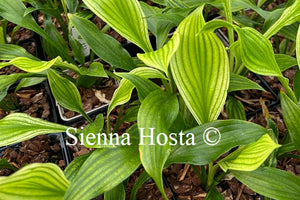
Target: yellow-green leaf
(126, 17)
(160, 59)
(38, 181)
(18, 127)
(200, 69)
(249, 158)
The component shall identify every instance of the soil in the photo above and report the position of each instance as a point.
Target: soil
(148, 191)
(31, 101)
(40, 149)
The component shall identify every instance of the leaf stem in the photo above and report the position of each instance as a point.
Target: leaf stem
(289, 91)
(212, 169)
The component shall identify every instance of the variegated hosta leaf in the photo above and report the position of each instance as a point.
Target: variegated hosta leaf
(18, 127)
(126, 17)
(123, 92)
(288, 17)
(11, 51)
(235, 109)
(200, 69)
(271, 182)
(104, 169)
(257, 52)
(158, 111)
(38, 181)
(160, 59)
(65, 92)
(291, 116)
(7, 80)
(176, 4)
(30, 65)
(231, 133)
(238, 82)
(250, 157)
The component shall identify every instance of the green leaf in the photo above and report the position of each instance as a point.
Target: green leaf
(289, 16)
(116, 165)
(18, 127)
(71, 5)
(213, 194)
(249, 158)
(26, 82)
(194, 66)
(158, 111)
(96, 69)
(117, 192)
(123, 92)
(271, 182)
(143, 85)
(65, 92)
(291, 115)
(176, 4)
(57, 38)
(257, 52)
(7, 80)
(77, 49)
(11, 51)
(235, 109)
(72, 169)
(103, 45)
(126, 17)
(160, 59)
(297, 85)
(238, 82)
(233, 133)
(298, 47)
(139, 182)
(30, 65)
(5, 164)
(34, 182)
(95, 128)
(285, 61)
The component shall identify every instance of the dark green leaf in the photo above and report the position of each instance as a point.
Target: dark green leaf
(233, 133)
(5, 164)
(271, 182)
(103, 45)
(139, 182)
(291, 116)
(11, 51)
(213, 194)
(297, 85)
(158, 111)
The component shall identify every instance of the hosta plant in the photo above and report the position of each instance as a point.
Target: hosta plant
(177, 120)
